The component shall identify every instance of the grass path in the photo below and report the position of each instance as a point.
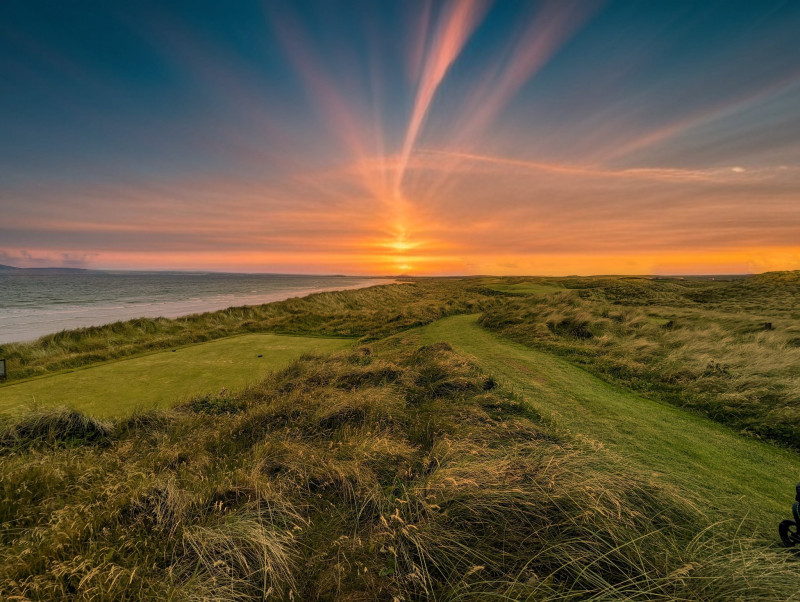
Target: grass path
(734, 473)
(162, 378)
(730, 471)
(527, 288)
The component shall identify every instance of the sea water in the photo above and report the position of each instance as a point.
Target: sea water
(33, 304)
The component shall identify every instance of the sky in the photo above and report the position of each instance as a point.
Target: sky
(419, 137)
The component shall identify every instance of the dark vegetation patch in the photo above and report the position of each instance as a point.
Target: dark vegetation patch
(222, 403)
(58, 427)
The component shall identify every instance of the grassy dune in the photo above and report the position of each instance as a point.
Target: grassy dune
(159, 379)
(522, 288)
(409, 475)
(487, 439)
(368, 313)
(697, 344)
(743, 478)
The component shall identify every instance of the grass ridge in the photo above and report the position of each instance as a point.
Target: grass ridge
(391, 475)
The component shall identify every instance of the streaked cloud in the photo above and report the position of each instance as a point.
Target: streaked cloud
(453, 136)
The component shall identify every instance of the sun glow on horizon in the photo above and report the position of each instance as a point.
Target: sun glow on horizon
(441, 137)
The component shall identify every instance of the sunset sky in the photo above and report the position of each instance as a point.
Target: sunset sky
(464, 137)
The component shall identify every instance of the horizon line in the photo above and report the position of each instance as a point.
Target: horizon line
(402, 275)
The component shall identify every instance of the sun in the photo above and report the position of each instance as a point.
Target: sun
(401, 245)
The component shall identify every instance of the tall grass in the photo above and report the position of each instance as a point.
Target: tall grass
(395, 475)
(366, 313)
(712, 355)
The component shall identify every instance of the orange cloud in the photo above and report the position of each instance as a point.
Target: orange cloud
(485, 215)
(457, 22)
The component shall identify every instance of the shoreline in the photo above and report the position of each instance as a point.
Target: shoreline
(46, 321)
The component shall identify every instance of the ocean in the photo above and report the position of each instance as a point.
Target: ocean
(33, 304)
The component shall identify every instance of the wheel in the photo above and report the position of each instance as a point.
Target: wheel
(789, 533)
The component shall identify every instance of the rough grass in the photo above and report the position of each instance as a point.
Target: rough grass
(699, 344)
(368, 313)
(401, 472)
(407, 475)
(740, 479)
(52, 427)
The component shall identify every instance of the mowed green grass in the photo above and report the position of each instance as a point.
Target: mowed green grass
(163, 378)
(731, 473)
(527, 288)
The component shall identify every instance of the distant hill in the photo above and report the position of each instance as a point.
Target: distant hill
(783, 277)
(4, 269)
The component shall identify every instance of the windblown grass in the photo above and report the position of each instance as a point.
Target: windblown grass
(698, 344)
(409, 476)
(367, 313)
(741, 479)
(392, 471)
(50, 428)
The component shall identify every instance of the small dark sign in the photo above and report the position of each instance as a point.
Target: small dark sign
(2, 369)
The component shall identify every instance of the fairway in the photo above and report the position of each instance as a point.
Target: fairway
(521, 288)
(160, 379)
(526, 288)
(731, 472)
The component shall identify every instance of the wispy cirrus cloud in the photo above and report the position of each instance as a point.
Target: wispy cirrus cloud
(425, 136)
(458, 20)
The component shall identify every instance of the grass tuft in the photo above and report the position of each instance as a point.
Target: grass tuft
(53, 427)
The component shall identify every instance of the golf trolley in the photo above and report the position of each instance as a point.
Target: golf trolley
(788, 529)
